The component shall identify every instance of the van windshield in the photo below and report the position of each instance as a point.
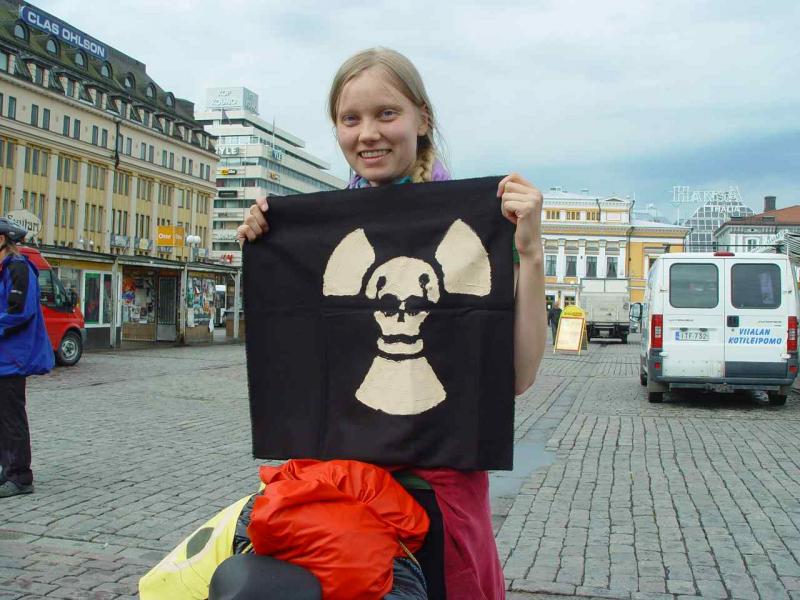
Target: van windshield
(756, 285)
(693, 285)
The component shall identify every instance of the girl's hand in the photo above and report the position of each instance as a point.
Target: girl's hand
(521, 203)
(255, 225)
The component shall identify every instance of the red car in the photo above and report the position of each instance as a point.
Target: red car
(62, 317)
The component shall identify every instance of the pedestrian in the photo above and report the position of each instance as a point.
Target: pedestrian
(386, 129)
(553, 316)
(24, 350)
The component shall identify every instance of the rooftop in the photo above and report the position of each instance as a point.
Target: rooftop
(109, 74)
(782, 216)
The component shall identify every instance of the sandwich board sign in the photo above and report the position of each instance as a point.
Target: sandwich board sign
(571, 335)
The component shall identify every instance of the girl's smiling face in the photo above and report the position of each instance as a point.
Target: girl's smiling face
(377, 128)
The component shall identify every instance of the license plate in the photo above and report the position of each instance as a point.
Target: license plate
(691, 336)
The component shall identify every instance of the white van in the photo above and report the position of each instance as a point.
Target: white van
(719, 322)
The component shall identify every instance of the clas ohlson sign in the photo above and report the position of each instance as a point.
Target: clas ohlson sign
(64, 32)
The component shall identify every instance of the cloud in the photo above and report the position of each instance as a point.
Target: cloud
(613, 87)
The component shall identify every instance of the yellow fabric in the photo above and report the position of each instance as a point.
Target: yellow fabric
(183, 577)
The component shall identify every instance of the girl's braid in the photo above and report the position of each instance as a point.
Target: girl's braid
(423, 168)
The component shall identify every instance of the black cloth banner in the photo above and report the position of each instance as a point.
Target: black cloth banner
(379, 327)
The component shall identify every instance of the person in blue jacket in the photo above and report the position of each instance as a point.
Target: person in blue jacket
(24, 350)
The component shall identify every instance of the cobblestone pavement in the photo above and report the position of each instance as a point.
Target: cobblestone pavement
(611, 497)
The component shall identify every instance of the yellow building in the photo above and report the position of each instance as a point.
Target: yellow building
(112, 168)
(590, 236)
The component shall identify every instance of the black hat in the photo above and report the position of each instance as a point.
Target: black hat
(11, 230)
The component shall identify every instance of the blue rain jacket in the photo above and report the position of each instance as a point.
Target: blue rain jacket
(24, 345)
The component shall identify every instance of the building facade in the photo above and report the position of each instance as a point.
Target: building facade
(590, 236)
(717, 207)
(106, 167)
(764, 232)
(255, 157)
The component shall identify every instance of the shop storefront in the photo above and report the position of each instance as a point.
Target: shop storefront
(149, 299)
(88, 278)
(204, 302)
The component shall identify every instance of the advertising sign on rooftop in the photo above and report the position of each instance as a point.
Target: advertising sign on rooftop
(231, 98)
(62, 31)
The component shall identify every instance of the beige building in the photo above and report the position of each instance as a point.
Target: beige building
(592, 236)
(112, 167)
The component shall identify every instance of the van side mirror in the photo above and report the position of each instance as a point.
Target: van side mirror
(636, 311)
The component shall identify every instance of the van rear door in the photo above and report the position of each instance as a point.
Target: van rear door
(757, 313)
(693, 319)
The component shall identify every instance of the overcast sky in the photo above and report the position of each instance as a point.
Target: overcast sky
(620, 97)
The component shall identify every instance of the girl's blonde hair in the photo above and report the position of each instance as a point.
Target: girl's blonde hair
(405, 77)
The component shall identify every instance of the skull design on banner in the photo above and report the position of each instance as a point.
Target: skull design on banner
(403, 289)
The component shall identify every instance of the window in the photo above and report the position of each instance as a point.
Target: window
(105, 70)
(80, 59)
(72, 214)
(6, 200)
(191, 168)
(104, 138)
(70, 88)
(550, 265)
(694, 285)
(183, 164)
(592, 215)
(52, 47)
(129, 81)
(64, 212)
(611, 267)
(163, 158)
(573, 215)
(756, 286)
(20, 31)
(76, 129)
(551, 215)
(12, 107)
(170, 100)
(65, 130)
(3, 61)
(34, 115)
(128, 146)
(172, 160)
(151, 91)
(95, 134)
(591, 266)
(572, 266)
(151, 153)
(46, 119)
(142, 151)
(97, 298)
(751, 244)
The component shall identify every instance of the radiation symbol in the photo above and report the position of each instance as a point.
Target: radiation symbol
(403, 289)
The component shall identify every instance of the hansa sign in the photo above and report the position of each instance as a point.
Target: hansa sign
(380, 327)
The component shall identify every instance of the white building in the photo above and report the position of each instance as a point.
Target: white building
(763, 232)
(255, 157)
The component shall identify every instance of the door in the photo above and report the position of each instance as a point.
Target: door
(757, 318)
(166, 330)
(694, 319)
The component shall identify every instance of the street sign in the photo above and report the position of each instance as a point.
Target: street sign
(571, 334)
(28, 220)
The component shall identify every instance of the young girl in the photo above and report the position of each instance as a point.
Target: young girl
(385, 127)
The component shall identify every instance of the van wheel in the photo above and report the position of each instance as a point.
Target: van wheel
(642, 377)
(70, 349)
(777, 399)
(655, 397)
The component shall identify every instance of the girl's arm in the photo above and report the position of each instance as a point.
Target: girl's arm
(522, 205)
